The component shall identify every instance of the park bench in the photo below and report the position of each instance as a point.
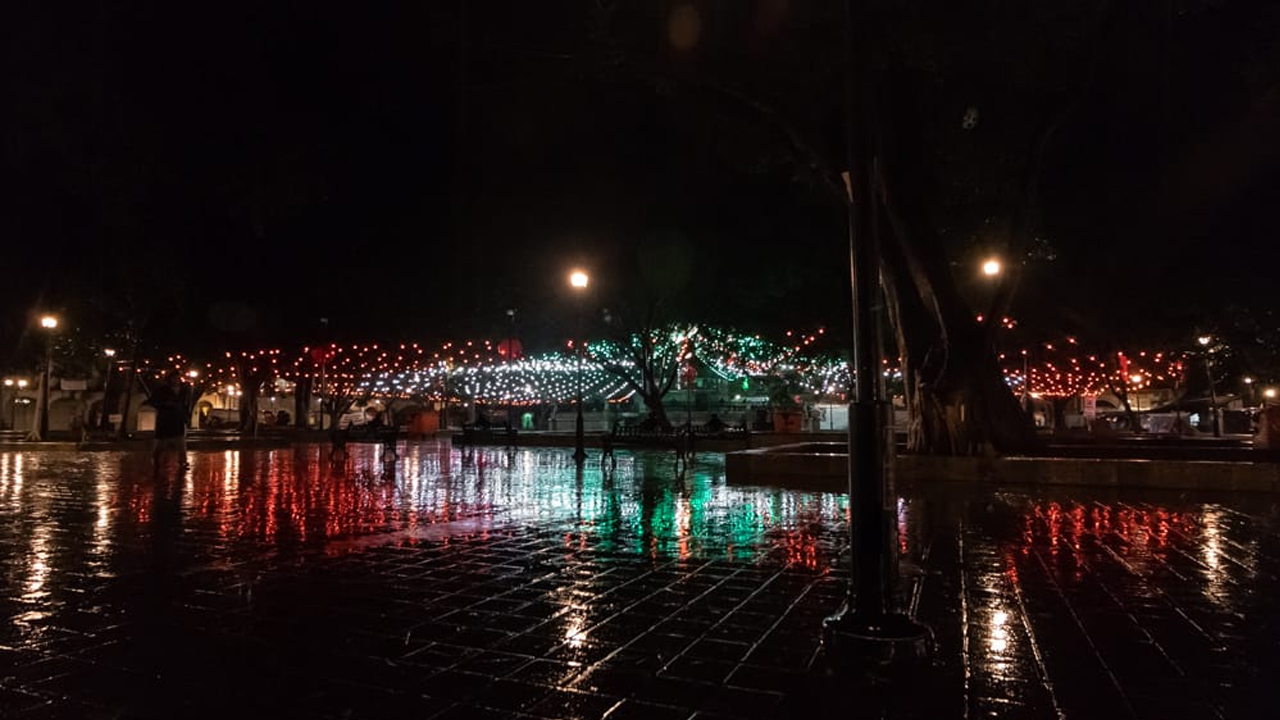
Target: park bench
(681, 437)
(479, 434)
(386, 435)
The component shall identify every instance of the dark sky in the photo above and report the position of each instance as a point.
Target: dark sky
(410, 170)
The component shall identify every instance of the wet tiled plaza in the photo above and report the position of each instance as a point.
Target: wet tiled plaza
(496, 583)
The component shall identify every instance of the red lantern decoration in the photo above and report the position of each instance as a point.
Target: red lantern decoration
(511, 349)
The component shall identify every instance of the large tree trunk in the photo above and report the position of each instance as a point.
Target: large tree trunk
(249, 409)
(302, 402)
(957, 400)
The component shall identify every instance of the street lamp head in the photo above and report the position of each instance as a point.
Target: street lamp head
(48, 321)
(1204, 340)
(578, 279)
(991, 267)
(109, 352)
(8, 382)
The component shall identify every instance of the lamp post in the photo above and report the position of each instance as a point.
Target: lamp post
(1136, 381)
(49, 323)
(578, 280)
(1204, 341)
(1026, 383)
(110, 354)
(511, 357)
(867, 624)
(324, 357)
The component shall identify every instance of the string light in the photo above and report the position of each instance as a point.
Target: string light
(483, 371)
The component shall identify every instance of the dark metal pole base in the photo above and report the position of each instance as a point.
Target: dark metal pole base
(579, 445)
(848, 637)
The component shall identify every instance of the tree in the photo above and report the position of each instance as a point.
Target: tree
(932, 176)
(646, 357)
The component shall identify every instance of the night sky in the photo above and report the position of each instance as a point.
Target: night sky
(412, 170)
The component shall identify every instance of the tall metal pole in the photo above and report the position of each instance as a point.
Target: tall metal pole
(122, 432)
(1026, 383)
(579, 449)
(44, 389)
(511, 356)
(324, 358)
(1213, 395)
(1205, 342)
(867, 624)
(104, 421)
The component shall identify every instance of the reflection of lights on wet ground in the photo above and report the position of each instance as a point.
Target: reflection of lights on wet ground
(999, 639)
(38, 564)
(575, 631)
(100, 546)
(230, 470)
(297, 497)
(902, 525)
(1211, 553)
(11, 474)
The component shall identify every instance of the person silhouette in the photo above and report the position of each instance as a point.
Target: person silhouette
(172, 405)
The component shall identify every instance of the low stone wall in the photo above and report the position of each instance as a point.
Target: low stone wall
(824, 467)
(1108, 472)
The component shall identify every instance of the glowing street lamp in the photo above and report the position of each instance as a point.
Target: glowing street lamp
(991, 267)
(49, 323)
(110, 354)
(578, 280)
(1204, 341)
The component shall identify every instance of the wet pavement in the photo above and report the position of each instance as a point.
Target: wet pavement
(504, 583)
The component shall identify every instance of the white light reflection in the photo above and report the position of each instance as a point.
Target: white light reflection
(1211, 554)
(999, 639)
(101, 545)
(38, 568)
(11, 476)
(231, 470)
(575, 630)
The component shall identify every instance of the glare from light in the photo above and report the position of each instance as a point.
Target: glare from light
(991, 267)
(48, 321)
(1204, 339)
(578, 279)
(109, 352)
